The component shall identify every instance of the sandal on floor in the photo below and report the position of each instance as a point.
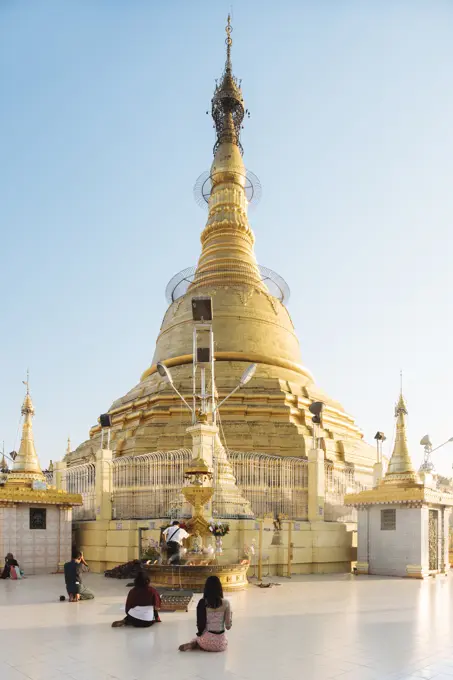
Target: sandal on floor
(118, 624)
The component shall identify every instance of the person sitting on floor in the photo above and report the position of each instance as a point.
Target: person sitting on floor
(10, 562)
(73, 578)
(142, 604)
(213, 617)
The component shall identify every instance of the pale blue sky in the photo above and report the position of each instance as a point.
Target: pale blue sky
(103, 133)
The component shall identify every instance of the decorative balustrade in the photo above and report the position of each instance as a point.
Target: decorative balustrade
(272, 484)
(339, 481)
(49, 477)
(149, 486)
(81, 479)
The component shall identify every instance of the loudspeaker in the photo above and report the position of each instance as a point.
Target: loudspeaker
(105, 420)
(203, 355)
(316, 408)
(202, 309)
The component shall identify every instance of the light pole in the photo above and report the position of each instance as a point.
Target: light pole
(248, 374)
(203, 356)
(428, 465)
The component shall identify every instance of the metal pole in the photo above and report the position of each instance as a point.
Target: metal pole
(260, 551)
(290, 531)
(203, 389)
(194, 376)
(211, 344)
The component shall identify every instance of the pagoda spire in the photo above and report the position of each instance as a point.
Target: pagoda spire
(26, 466)
(400, 468)
(227, 256)
(3, 461)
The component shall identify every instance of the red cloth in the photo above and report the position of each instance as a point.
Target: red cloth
(142, 597)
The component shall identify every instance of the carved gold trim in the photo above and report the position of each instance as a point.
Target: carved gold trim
(251, 357)
(48, 497)
(392, 494)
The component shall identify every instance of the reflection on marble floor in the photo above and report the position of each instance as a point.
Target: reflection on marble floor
(310, 628)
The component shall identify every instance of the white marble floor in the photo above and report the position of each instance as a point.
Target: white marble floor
(310, 628)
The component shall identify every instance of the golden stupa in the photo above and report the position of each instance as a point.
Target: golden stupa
(250, 324)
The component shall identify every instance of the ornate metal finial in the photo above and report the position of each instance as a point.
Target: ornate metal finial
(229, 42)
(401, 406)
(27, 406)
(227, 103)
(27, 382)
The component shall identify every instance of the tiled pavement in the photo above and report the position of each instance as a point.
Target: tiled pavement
(309, 628)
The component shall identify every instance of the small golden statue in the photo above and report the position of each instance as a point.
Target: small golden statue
(197, 543)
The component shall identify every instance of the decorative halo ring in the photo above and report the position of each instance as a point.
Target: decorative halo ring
(203, 187)
(179, 284)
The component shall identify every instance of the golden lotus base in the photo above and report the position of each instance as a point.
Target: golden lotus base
(193, 577)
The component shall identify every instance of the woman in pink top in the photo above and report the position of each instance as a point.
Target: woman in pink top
(213, 618)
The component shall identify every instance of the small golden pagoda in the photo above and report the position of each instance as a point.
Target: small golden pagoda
(251, 325)
(403, 523)
(35, 519)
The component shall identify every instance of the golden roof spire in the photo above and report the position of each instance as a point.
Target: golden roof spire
(68, 447)
(26, 466)
(400, 468)
(227, 256)
(3, 462)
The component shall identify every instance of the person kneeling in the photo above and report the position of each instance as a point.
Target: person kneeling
(142, 604)
(213, 617)
(73, 578)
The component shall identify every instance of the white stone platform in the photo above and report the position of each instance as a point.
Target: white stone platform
(310, 628)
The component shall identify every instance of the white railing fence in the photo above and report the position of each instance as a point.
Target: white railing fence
(82, 479)
(339, 481)
(149, 486)
(272, 484)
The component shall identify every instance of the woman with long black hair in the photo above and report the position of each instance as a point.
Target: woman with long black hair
(213, 618)
(142, 604)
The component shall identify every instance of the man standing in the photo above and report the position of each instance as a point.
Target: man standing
(174, 537)
(73, 578)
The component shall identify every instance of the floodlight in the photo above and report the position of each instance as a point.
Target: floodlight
(105, 420)
(243, 380)
(247, 375)
(164, 372)
(202, 309)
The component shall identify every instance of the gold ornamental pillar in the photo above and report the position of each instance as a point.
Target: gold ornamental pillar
(103, 485)
(316, 485)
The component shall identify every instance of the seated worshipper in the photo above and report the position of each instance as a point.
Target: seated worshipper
(73, 578)
(9, 563)
(213, 617)
(174, 537)
(142, 604)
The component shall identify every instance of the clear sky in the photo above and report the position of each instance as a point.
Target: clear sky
(103, 133)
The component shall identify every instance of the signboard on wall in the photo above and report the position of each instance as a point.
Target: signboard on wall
(37, 485)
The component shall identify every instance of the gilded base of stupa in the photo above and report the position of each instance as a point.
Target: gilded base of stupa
(269, 416)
